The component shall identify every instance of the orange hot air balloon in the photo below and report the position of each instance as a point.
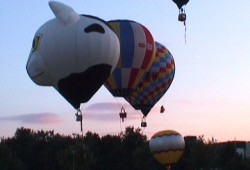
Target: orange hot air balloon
(167, 147)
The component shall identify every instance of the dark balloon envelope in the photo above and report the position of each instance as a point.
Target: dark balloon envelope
(180, 3)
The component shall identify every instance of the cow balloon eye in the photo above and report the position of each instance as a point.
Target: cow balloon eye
(94, 28)
(36, 42)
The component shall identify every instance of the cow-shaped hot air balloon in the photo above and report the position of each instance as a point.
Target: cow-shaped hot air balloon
(73, 53)
(167, 147)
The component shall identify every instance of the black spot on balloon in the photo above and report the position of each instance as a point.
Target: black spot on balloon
(94, 28)
(78, 88)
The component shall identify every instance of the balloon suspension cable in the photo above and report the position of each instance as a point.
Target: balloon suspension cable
(118, 102)
(121, 126)
(185, 32)
(79, 117)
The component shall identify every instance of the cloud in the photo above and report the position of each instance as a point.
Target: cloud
(106, 106)
(33, 118)
(108, 111)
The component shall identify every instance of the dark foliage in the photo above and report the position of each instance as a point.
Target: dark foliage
(44, 150)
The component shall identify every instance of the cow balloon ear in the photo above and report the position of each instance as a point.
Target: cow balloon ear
(63, 12)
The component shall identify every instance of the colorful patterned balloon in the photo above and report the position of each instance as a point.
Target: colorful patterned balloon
(167, 146)
(155, 82)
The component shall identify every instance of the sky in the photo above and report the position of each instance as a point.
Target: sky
(209, 95)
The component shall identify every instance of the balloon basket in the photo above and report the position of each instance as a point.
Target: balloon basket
(143, 122)
(79, 117)
(162, 109)
(182, 17)
(123, 114)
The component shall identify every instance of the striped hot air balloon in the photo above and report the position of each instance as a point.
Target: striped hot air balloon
(167, 146)
(137, 52)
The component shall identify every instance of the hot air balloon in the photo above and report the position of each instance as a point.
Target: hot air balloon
(73, 53)
(167, 147)
(155, 82)
(137, 51)
(182, 14)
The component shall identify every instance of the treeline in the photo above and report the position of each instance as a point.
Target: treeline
(45, 150)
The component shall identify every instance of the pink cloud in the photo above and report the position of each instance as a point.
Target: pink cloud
(33, 118)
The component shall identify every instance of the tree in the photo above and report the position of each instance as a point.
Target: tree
(8, 159)
(129, 150)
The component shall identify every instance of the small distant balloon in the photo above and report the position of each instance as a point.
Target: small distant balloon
(182, 14)
(167, 147)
